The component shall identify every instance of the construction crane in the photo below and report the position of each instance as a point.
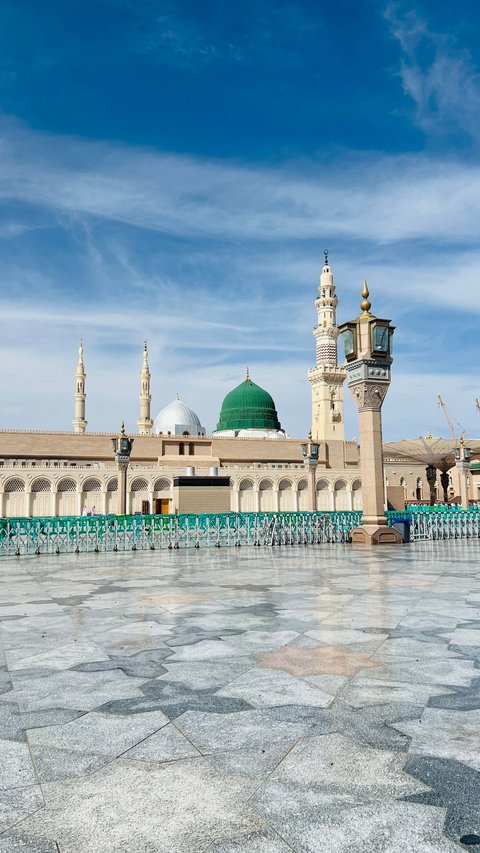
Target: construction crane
(449, 420)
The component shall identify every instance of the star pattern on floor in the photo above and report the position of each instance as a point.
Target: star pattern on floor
(321, 660)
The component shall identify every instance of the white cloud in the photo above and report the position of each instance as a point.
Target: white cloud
(376, 198)
(247, 256)
(440, 77)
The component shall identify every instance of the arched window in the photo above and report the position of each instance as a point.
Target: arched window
(162, 485)
(91, 485)
(67, 485)
(284, 485)
(302, 486)
(191, 448)
(112, 485)
(42, 485)
(139, 485)
(245, 485)
(266, 485)
(181, 449)
(15, 485)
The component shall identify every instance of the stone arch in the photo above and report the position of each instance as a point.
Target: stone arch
(91, 484)
(357, 495)
(302, 489)
(41, 485)
(139, 484)
(14, 497)
(162, 485)
(41, 497)
(286, 496)
(341, 495)
(419, 489)
(67, 496)
(266, 496)
(323, 496)
(139, 495)
(246, 496)
(67, 484)
(15, 484)
(92, 488)
(111, 495)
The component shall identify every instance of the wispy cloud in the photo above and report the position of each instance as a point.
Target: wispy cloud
(439, 76)
(217, 265)
(367, 198)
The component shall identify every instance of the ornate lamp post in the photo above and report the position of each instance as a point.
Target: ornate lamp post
(462, 461)
(367, 343)
(310, 460)
(122, 448)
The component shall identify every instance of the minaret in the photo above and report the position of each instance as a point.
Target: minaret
(145, 422)
(327, 377)
(79, 422)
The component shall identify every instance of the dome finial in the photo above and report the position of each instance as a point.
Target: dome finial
(365, 304)
(325, 257)
(178, 396)
(248, 375)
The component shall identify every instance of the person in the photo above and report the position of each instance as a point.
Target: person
(94, 511)
(85, 510)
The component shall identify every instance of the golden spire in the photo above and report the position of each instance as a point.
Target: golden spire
(365, 304)
(248, 375)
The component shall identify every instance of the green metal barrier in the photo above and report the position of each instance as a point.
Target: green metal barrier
(73, 534)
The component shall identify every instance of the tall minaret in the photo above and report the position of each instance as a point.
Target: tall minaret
(327, 377)
(145, 422)
(79, 422)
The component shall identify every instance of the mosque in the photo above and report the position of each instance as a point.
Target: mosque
(51, 473)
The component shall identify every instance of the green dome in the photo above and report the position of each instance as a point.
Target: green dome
(248, 407)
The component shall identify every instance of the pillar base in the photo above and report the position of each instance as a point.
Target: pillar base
(374, 534)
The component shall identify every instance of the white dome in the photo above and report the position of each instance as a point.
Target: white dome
(177, 419)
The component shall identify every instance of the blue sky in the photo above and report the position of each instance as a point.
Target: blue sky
(174, 170)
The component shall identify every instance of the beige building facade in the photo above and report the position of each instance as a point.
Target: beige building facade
(45, 473)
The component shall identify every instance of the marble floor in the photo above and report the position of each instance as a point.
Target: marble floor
(316, 700)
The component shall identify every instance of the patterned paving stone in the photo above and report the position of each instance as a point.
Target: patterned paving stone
(452, 785)
(243, 701)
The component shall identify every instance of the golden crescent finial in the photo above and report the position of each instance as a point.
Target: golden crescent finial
(365, 304)
(248, 375)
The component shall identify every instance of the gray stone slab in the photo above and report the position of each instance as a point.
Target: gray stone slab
(181, 806)
(263, 688)
(206, 674)
(255, 842)
(52, 764)
(16, 769)
(168, 744)
(446, 734)
(241, 730)
(17, 804)
(77, 690)
(385, 827)
(26, 844)
(104, 734)
(60, 658)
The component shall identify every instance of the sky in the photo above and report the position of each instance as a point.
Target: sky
(173, 171)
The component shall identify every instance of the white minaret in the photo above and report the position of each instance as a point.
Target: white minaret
(79, 422)
(145, 422)
(327, 377)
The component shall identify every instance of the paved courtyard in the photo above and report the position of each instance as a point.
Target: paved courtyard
(266, 701)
